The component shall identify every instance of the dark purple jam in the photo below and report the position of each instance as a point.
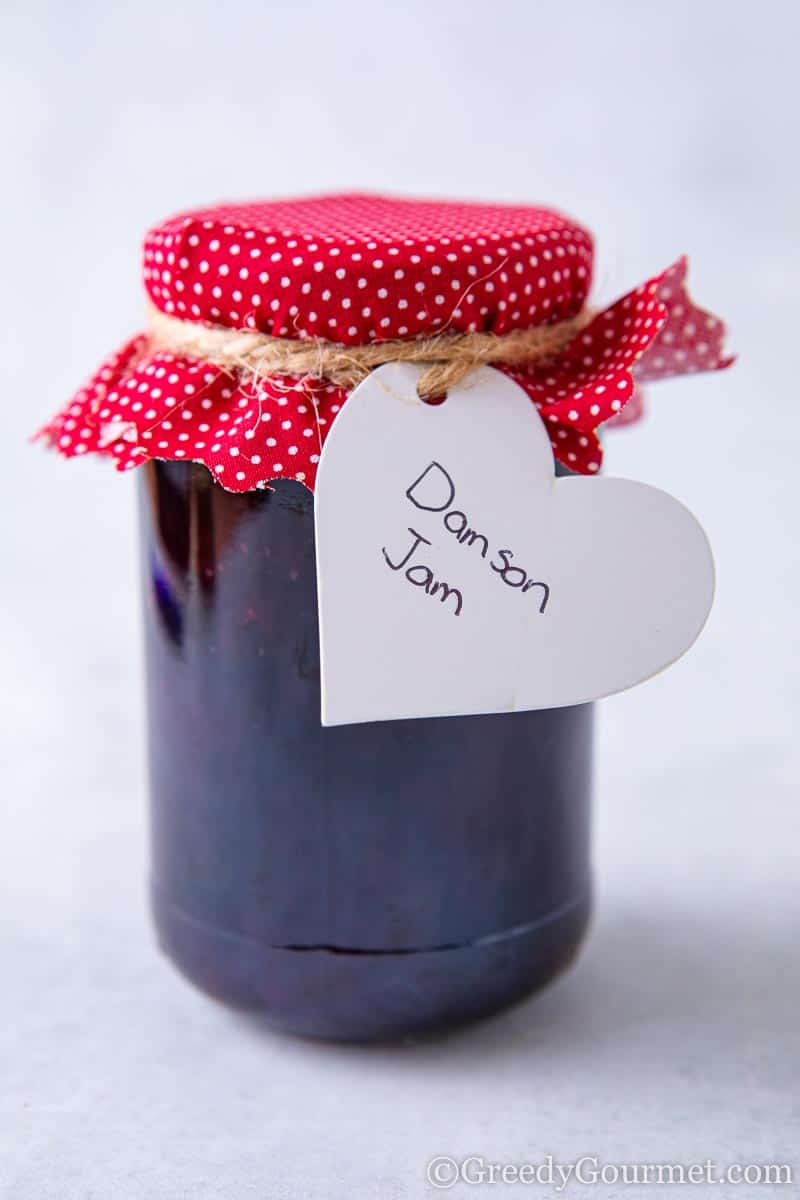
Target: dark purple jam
(357, 882)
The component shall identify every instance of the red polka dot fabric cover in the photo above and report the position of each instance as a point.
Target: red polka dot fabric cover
(354, 269)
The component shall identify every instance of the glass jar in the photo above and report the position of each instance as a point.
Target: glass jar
(373, 880)
(356, 882)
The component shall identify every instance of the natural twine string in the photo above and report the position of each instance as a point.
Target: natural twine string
(448, 356)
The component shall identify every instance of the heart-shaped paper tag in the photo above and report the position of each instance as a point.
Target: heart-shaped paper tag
(457, 575)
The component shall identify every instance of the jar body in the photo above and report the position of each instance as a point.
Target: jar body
(355, 882)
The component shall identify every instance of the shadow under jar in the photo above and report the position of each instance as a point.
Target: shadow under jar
(358, 882)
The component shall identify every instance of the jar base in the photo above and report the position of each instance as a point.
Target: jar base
(367, 996)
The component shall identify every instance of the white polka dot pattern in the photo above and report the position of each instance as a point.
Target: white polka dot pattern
(355, 269)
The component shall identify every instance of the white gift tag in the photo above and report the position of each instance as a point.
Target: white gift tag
(457, 575)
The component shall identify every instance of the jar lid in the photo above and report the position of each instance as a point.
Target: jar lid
(358, 271)
(355, 269)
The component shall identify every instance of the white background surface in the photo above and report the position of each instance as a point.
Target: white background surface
(666, 128)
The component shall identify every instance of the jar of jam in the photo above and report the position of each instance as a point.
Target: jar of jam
(361, 881)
